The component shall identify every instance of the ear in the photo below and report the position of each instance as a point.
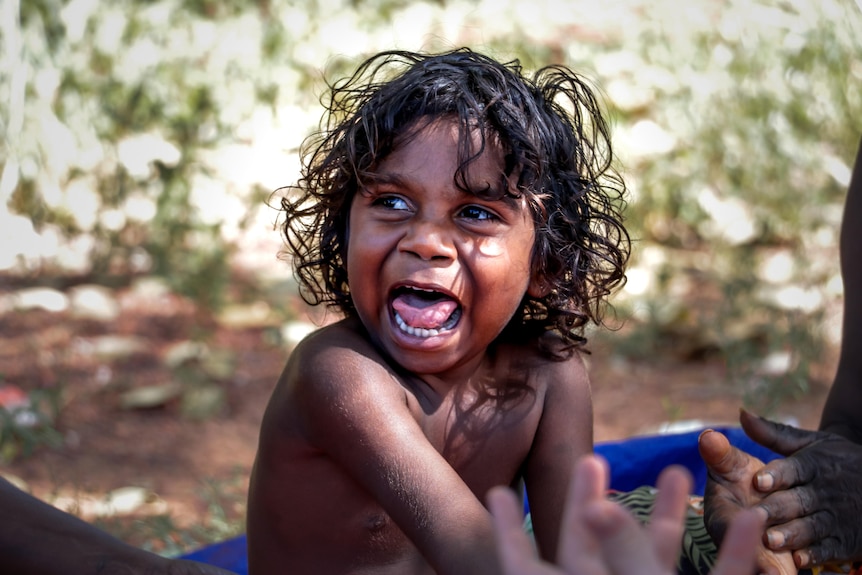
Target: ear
(538, 287)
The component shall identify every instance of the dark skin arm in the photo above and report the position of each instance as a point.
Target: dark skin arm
(564, 435)
(358, 416)
(813, 498)
(841, 412)
(39, 539)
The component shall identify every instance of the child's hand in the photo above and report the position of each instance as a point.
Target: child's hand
(729, 490)
(600, 537)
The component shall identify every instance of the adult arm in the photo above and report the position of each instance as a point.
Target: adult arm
(564, 433)
(816, 491)
(841, 414)
(813, 497)
(39, 539)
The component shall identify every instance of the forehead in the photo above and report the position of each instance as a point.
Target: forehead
(472, 158)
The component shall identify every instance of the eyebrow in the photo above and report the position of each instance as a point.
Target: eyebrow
(391, 178)
(492, 190)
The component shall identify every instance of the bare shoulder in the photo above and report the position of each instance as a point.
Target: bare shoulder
(555, 368)
(328, 373)
(338, 354)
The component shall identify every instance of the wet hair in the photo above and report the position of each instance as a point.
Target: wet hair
(556, 145)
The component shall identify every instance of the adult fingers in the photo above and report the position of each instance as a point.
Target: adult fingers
(802, 532)
(780, 438)
(784, 506)
(785, 473)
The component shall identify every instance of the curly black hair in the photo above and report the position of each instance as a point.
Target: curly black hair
(555, 140)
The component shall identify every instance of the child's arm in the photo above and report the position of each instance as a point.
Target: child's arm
(356, 411)
(564, 434)
(40, 539)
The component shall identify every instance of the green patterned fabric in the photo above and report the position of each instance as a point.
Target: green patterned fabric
(697, 552)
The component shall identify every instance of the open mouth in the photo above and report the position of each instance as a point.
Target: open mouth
(424, 313)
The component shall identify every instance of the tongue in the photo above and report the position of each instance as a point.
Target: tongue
(417, 311)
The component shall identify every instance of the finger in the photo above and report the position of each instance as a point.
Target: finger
(775, 563)
(590, 480)
(784, 473)
(667, 520)
(579, 550)
(739, 550)
(828, 549)
(780, 438)
(801, 533)
(725, 462)
(784, 506)
(513, 546)
(625, 546)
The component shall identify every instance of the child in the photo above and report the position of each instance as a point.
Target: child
(465, 220)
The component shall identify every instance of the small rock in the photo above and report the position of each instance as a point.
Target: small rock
(47, 299)
(202, 402)
(110, 347)
(150, 396)
(184, 351)
(150, 288)
(93, 302)
(219, 364)
(243, 316)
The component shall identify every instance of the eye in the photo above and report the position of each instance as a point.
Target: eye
(477, 213)
(392, 203)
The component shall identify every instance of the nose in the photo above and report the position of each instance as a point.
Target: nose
(429, 241)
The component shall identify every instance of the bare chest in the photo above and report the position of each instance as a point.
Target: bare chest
(485, 440)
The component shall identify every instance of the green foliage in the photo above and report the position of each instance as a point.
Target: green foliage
(164, 98)
(752, 113)
(760, 117)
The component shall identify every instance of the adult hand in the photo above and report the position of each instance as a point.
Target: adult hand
(730, 490)
(600, 537)
(813, 497)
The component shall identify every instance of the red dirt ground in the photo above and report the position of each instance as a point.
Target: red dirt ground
(172, 457)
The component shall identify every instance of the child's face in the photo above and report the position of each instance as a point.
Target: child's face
(436, 273)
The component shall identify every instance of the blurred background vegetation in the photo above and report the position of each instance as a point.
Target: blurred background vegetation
(143, 138)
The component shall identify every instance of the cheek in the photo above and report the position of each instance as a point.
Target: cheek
(506, 266)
